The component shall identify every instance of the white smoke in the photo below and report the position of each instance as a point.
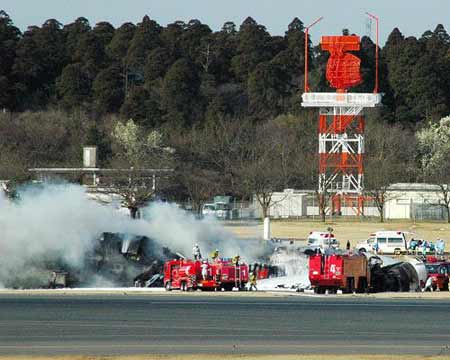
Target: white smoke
(61, 221)
(55, 220)
(180, 230)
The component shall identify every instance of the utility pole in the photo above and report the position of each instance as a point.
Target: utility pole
(307, 51)
(377, 19)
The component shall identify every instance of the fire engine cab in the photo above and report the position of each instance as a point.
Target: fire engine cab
(339, 272)
(219, 274)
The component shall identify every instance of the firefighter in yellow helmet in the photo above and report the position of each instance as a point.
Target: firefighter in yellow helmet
(253, 281)
(215, 254)
(236, 260)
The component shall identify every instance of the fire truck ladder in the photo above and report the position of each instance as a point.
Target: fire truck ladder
(237, 276)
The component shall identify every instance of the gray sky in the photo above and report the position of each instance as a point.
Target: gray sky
(413, 17)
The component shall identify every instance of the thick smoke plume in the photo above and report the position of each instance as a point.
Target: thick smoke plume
(180, 230)
(59, 221)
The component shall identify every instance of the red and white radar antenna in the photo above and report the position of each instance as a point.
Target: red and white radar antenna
(341, 123)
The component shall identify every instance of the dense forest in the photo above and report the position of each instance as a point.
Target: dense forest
(185, 74)
(223, 101)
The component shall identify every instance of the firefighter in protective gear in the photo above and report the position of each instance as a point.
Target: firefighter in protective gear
(204, 267)
(236, 260)
(196, 252)
(215, 254)
(253, 281)
(428, 285)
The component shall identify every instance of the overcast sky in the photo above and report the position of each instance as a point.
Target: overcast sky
(413, 17)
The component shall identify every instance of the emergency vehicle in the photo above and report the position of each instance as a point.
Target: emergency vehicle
(322, 240)
(187, 275)
(359, 273)
(385, 242)
(439, 273)
(348, 273)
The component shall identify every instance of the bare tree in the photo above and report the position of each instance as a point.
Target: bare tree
(390, 159)
(264, 162)
(196, 171)
(444, 196)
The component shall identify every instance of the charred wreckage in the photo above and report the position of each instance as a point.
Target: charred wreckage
(124, 260)
(115, 260)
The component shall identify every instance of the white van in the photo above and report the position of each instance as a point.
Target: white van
(209, 210)
(384, 242)
(322, 240)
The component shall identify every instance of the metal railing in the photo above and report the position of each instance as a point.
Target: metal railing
(354, 100)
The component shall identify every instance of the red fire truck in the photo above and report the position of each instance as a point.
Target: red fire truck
(440, 275)
(187, 275)
(339, 272)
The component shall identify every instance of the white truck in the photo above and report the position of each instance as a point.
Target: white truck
(321, 241)
(385, 242)
(220, 208)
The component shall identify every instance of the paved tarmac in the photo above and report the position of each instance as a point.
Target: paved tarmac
(168, 324)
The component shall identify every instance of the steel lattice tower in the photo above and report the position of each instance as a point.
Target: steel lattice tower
(341, 125)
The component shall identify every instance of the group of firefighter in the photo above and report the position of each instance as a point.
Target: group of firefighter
(215, 257)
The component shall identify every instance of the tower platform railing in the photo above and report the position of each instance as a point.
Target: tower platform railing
(364, 100)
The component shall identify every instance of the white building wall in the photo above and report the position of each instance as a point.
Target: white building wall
(287, 204)
(404, 197)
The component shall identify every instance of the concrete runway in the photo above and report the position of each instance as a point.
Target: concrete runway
(195, 323)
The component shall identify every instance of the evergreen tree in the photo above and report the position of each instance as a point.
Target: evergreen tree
(73, 87)
(40, 58)
(222, 49)
(180, 94)
(267, 90)
(401, 56)
(108, 90)
(104, 31)
(145, 39)
(9, 37)
(142, 105)
(171, 37)
(118, 47)
(91, 53)
(158, 62)
(194, 40)
(252, 48)
(291, 59)
(73, 31)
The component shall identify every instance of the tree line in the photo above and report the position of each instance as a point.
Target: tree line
(185, 73)
(227, 103)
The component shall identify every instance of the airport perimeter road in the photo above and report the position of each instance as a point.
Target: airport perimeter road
(120, 324)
